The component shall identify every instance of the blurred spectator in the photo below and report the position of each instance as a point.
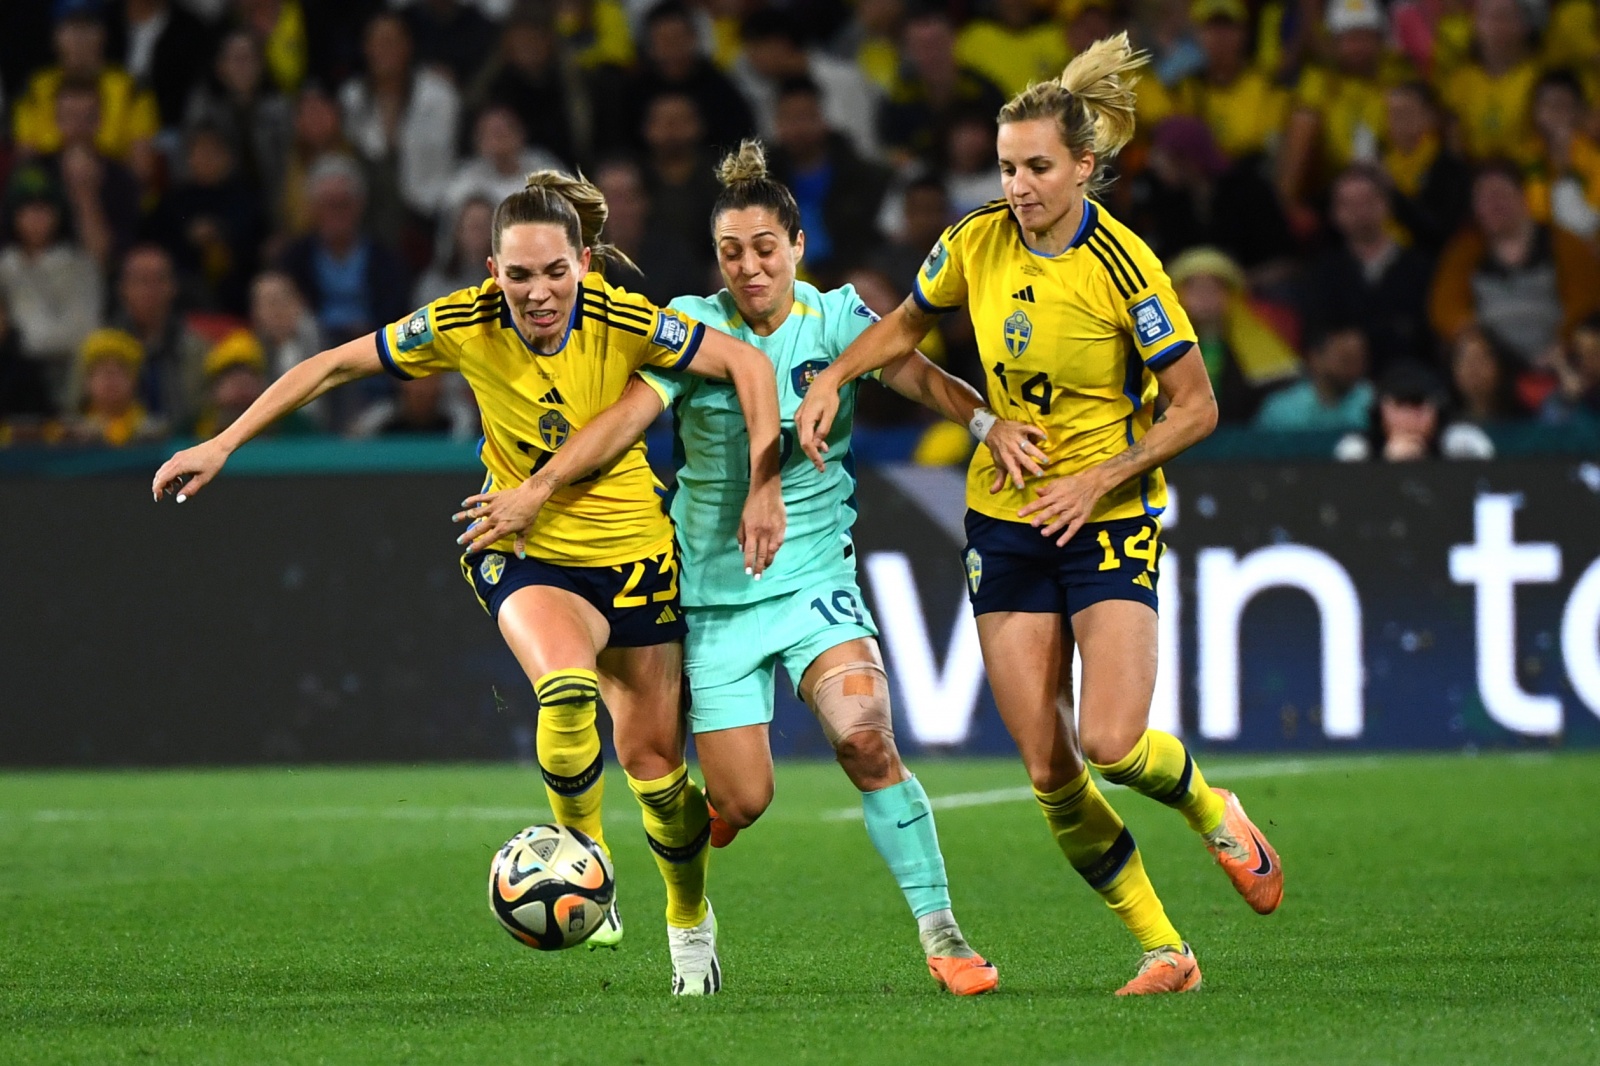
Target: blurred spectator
(111, 414)
(1431, 186)
(317, 132)
(1577, 399)
(597, 32)
(171, 381)
(459, 260)
(1245, 358)
(280, 27)
(236, 375)
(1335, 394)
(838, 192)
(1564, 185)
(1526, 283)
(775, 52)
(452, 37)
(666, 270)
(1338, 115)
(678, 173)
(924, 214)
(128, 115)
(500, 165)
(1483, 377)
(211, 223)
(162, 45)
(353, 283)
(1490, 94)
(1190, 195)
(1368, 279)
(673, 63)
(1011, 45)
(52, 286)
(236, 99)
(930, 88)
(435, 405)
(282, 322)
(1175, 54)
(1408, 423)
(24, 389)
(403, 122)
(1572, 36)
(101, 195)
(871, 40)
(971, 174)
(532, 74)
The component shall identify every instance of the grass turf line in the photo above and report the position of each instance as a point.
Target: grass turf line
(1437, 910)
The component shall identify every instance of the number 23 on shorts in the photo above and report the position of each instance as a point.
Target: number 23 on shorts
(666, 578)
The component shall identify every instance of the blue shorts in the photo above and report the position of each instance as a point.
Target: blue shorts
(638, 600)
(1011, 566)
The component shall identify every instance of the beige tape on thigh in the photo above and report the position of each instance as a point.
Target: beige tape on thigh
(852, 698)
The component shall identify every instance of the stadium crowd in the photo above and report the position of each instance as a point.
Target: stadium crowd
(1382, 220)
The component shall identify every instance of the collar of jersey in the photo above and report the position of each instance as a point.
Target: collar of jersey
(510, 323)
(1085, 227)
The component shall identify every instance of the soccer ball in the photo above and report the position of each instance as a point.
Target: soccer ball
(550, 887)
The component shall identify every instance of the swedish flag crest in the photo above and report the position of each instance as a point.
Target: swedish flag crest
(493, 565)
(974, 569)
(554, 429)
(1018, 332)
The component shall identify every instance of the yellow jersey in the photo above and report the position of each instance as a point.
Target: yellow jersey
(1245, 117)
(1493, 109)
(1068, 343)
(532, 402)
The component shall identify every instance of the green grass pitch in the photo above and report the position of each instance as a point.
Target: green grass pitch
(1438, 909)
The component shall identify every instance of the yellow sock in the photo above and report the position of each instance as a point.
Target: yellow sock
(1159, 766)
(678, 827)
(1101, 849)
(569, 749)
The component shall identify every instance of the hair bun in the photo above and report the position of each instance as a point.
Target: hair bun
(749, 163)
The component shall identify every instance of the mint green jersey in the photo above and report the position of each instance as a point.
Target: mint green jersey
(713, 452)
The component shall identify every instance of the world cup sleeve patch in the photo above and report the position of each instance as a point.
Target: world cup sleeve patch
(415, 331)
(670, 332)
(935, 261)
(1150, 321)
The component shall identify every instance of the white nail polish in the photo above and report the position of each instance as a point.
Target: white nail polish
(748, 571)
(181, 497)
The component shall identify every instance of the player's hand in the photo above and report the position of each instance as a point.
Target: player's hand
(187, 472)
(501, 514)
(1015, 455)
(815, 416)
(762, 526)
(1063, 506)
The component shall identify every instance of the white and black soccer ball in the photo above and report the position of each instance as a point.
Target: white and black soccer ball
(550, 885)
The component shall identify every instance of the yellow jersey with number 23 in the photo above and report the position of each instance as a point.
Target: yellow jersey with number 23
(532, 402)
(1068, 344)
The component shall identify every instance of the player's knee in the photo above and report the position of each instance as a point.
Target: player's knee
(1106, 745)
(869, 759)
(741, 809)
(643, 761)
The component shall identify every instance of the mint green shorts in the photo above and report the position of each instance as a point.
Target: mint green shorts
(731, 654)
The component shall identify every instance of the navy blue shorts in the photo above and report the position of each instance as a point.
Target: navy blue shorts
(639, 599)
(1011, 566)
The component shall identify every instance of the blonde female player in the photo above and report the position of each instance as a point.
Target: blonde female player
(807, 612)
(591, 605)
(1079, 331)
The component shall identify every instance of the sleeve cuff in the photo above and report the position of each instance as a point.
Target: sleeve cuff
(1168, 355)
(387, 359)
(657, 387)
(691, 347)
(924, 303)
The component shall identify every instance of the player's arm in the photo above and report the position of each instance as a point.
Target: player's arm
(1191, 414)
(596, 446)
(916, 378)
(187, 472)
(763, 524)
(892, 337)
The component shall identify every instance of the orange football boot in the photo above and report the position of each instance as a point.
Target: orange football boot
(722, 833)
(1246, 857)
(969, 976)
(1168, 969)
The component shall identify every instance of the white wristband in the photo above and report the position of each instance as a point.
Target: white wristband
(983, 421)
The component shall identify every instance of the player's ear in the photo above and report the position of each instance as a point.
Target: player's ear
(1083, 168)
(584, 258)
(799, 246)
(488, 264)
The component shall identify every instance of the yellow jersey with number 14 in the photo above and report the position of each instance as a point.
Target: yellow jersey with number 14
(1068, 344)
(532, 402)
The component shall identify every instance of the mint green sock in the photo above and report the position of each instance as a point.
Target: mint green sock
(900, 823)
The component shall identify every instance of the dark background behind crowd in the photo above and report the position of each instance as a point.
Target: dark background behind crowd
(1383, 219)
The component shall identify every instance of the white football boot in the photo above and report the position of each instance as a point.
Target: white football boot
(695, 969)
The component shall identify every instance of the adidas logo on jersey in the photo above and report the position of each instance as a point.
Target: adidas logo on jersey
(667, 615)
(1024, 294)
(553, 396)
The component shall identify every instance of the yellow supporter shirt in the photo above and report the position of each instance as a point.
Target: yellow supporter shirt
(1245, 117)
(532, 402)
(1068, 343)
(1012, 58)
(1493, 110)
(1352, 111)
(127, 114)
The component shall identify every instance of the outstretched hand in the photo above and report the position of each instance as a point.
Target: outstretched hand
(189, 471)
(762, 527)
(814, 418)
(496, 515)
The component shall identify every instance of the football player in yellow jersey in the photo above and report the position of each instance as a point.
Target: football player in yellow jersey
(1079, 332)
(588, 600)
